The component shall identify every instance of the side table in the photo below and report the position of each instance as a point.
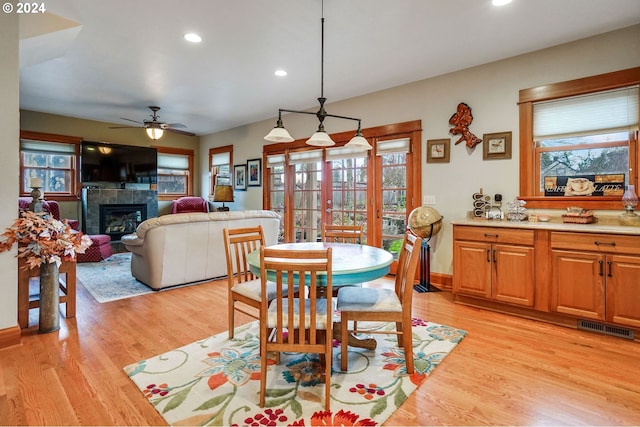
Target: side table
(68, 288)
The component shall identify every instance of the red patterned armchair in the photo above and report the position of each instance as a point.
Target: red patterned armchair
(50, 206)
(190, 204)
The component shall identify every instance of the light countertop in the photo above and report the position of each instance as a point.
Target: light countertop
(603, 225)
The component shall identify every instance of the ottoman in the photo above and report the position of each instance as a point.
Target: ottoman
(100, 249)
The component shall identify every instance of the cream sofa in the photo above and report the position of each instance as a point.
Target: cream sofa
(188, 247)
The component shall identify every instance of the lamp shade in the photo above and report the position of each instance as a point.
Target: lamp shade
(358, 143)
(320, 139)
(278, 134)
(155, 133)
(223, 193)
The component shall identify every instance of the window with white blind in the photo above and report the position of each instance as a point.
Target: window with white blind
(578, 141)
(53, 164)
(220, 161)
(585, 139)
(175, 172)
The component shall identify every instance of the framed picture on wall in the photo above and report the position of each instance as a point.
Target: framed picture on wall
(438, 150)
(254, 173)
(496, 145)
(240, 177)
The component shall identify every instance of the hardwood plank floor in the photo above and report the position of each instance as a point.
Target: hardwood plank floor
(507, 371)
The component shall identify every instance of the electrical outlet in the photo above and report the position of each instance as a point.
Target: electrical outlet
(429, 200)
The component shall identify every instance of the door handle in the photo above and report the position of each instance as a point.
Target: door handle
(598, 243)
(488, 255)
(600, 272)
(495, 258)
(610, 266)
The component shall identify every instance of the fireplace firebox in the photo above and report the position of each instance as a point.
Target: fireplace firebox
(116, 220)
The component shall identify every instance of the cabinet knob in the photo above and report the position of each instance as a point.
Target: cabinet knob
(598, 243)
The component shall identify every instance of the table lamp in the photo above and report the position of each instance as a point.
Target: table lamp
(223, 193)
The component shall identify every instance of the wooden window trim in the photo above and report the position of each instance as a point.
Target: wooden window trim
(190, 156)
(64, 139)
(528, 97)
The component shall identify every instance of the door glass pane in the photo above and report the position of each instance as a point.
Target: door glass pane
(307, 202)
(348, 203)
(276, 188)
(394, 200)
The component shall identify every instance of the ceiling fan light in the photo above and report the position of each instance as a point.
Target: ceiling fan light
(278, 134)
(359, 142)
(155, 133)
(320, 139)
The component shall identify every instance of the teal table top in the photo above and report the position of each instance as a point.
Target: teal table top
(351, 263)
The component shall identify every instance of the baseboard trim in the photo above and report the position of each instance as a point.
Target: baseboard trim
(10, 337)
(444, 282)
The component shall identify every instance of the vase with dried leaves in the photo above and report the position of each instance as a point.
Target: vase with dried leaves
(44, 242)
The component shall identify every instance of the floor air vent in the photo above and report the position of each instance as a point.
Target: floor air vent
(589, 325)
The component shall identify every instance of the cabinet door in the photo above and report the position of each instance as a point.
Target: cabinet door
(578, 284)
(623, 290)
(513, 274)
(472, 268)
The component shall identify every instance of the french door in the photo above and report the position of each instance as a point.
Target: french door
(310, 186)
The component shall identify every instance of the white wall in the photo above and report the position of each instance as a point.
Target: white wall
(9, 136)
(492, 92)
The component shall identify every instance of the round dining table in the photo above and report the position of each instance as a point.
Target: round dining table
(351, 264)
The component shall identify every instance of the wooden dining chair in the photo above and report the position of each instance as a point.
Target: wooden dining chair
(342, 233)
(379, 304)
(301, 322)
(244, 288)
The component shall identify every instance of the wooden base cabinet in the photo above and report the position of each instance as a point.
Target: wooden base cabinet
(494, 264)
(596, 276)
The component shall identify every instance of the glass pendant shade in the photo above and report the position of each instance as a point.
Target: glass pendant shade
(320, 139)
(630, 199)
(359, 142)
(278, 134)
(155, 133)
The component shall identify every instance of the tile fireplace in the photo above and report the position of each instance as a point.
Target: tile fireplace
(116, 211)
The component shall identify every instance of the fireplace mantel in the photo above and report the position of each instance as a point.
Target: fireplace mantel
(92, 198)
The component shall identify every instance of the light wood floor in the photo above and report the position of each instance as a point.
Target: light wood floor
(507, 371)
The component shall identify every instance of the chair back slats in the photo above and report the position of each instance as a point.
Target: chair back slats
(407, 265)
(342, 233)
(239, 242)
(302, 321)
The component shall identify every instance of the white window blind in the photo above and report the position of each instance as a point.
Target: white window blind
(310, 156)
(46, 147)
(220, 159)
(173, 161)
(275, 160)
(393, 146)
(601, 112)
(340, 153)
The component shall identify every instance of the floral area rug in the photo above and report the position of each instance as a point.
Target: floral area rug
(215, 381)
(110, 279)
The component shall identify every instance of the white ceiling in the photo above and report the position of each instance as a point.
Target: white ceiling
(104, 60)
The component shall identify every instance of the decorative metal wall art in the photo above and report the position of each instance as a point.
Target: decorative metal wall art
(460, 122)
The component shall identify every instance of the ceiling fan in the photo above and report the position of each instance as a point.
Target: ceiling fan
(154, 127)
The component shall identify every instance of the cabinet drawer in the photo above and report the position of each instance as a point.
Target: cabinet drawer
(609, 243)
(493, 235)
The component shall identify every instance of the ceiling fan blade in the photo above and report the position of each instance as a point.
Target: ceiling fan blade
(125, 127)
(181, 132)
(129, 120)
(175, 125)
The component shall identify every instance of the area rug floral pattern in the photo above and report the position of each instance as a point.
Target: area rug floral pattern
(215, 381)
(110, 279)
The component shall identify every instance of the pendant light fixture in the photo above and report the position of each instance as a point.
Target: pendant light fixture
(321, 138)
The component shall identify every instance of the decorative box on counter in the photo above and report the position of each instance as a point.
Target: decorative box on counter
(577, 215)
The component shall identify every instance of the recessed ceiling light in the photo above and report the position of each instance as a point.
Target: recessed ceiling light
(500, 2)
(193, 37)
(280, 73)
